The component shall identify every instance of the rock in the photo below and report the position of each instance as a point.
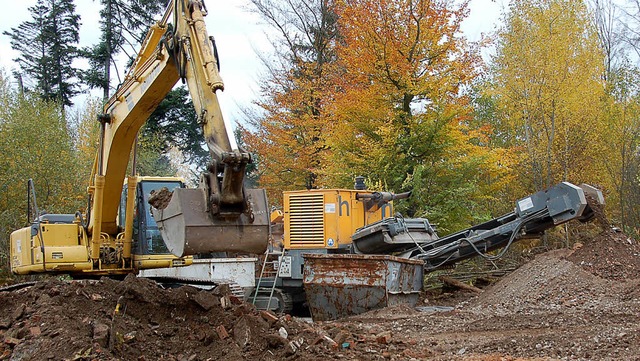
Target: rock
(222, 290)
(269, 317)
(236, 300)
(384, 337)
(222, 332)
(11, 341)
(35, 331)
(225, 302)
(19, 311)
(292, 347)
(341, 337)
(21, 333)
(129, 336)
(242, 333)
(283, 332)
(100, 333)
(275, 340)
(206, 300)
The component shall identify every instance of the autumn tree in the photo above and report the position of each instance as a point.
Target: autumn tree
(400, 113)
(547, 84)
(621, 115)
(287, 132)
(35, 142)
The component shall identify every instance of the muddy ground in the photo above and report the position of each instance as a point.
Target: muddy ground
(578, 304)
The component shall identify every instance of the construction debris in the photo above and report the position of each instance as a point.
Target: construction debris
(575, 304)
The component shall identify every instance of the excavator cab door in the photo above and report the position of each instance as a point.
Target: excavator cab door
(147, 239)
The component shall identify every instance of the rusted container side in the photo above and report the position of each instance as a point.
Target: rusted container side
(339, 285)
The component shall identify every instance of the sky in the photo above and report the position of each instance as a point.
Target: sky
(239, 37)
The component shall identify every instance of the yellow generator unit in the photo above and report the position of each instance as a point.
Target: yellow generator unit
(327, 218)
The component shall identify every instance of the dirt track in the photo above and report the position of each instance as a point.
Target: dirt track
(581, 304)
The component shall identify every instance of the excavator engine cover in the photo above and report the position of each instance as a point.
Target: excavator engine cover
(188, 228)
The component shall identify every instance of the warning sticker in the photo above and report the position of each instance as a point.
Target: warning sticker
(525, 204)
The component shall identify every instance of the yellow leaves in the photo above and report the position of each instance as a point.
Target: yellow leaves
(400, 44)
(548, 77)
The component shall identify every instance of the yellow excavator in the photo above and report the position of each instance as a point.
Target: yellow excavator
(221, 215)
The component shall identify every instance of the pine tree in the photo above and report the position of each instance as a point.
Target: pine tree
(47, 46)
(124, 24)
(174, 124)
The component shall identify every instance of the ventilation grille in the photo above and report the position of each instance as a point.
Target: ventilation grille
(306, 220)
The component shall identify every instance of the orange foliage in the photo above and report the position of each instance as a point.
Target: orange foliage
(391, 107)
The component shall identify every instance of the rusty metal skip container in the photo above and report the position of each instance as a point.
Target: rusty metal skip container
(340, 285)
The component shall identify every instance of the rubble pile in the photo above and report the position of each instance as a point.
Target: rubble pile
(578, 304)
(135, 319)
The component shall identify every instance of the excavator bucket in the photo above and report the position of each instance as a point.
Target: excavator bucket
(188, 228)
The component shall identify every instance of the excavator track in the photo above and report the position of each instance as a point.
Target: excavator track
(285, 301)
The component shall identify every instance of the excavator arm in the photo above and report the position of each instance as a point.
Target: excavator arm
(221, 215)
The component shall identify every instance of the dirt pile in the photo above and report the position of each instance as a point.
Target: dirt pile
(135, 319)
(593, 275)
(612, 255)
(563, 305)
(579, 304)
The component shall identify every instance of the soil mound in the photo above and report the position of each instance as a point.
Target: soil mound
(548, 282)
(135, 319)
(612, 255)
(587, 277)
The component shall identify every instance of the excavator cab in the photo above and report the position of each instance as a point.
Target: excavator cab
(59, 242)
(147, 239)
(148, 247)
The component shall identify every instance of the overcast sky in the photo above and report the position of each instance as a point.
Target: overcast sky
(238, 35)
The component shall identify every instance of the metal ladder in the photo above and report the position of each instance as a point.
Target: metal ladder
(275, 277)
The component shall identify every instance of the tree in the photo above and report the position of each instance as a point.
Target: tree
(621, 115)
(121, 23)
(400, 115)
(616, 27)
(47, 47)
(174, 124)
(610, 34)
(287, 132)
(36, 143)
(547, 84)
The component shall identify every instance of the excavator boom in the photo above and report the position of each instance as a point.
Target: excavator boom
(220, 215)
